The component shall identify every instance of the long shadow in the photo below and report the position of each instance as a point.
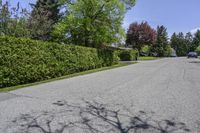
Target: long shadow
(93, 117)
(194, 62)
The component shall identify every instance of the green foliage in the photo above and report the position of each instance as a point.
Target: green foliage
(161, 48)
(178, 43)
(139, 35)
(92, 22)
(168, 51)
(13, 20)
(26, 61)
(198, 49)
(196, 40)
(146, 50)
(45, 14)
(184, 44)
(189, 42)
(81, 22)
(128, 55)
(146, 58)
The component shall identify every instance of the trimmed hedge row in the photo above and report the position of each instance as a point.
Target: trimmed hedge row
(26, 61)
(128, 55)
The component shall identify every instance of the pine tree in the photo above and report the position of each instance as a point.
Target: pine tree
(178, 42)
(161, 46)
(189, 42)
(44, 15)
(51, 7)
(173, 41)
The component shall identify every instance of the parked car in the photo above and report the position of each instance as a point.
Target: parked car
(192, 55)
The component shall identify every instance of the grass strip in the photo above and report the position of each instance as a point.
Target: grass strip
(148, 58)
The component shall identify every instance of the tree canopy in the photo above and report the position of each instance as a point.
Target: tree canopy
(139, 35)
(92, 22)
(189, 42)
(179, 44)
(13, 20)
(45, 14)
(162, 47)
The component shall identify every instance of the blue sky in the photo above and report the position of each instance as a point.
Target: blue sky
(176, 15)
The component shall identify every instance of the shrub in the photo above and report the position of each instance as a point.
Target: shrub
(145, 51)
(26, 61)
(128, 55)
(168, 51)
(198, 50)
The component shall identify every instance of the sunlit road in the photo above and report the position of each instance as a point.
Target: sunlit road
(169, 87)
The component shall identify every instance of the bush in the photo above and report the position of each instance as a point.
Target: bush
(26, 61)
(168, 51)
(145, 51)
(128, 55)
(198, 50)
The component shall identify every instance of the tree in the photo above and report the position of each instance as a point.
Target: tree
(13, 20)
(45, 14)
(196, 40)
(189, 42)
(179, 44)
(161, 48)
(4, 18)
(139, 35)
(174, 41)
(92, 22)
(182, 50)
(198, 50)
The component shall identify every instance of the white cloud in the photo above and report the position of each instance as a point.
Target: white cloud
(194, 30)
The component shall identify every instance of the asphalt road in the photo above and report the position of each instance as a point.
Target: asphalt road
(169, 87)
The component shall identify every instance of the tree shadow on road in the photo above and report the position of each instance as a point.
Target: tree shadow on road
(194, 62)
(93, 117)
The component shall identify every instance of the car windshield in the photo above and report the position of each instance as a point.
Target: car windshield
(192, 53)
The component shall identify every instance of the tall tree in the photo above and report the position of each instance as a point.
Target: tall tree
(161, 48)
(183, 48)
(13, 20)
(92, 22)
(189, 42)
(179, 44)
(44, 15)
(139, 35)
(4, 18)
(174, 41)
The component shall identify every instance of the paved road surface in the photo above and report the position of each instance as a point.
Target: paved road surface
(169, 87)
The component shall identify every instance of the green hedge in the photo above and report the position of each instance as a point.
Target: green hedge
(128, 55)
(26, 61)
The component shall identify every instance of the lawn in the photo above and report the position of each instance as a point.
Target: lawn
(148, 58)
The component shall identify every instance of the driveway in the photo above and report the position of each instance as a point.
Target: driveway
(169, 87)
